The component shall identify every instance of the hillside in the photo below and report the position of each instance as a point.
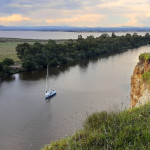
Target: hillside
(123, 130)
(74, 29)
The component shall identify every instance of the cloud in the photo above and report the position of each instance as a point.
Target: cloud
(51, 4)
(132, 22)
(14, 18)
(75, 12)
(78, 19)
(148, 15)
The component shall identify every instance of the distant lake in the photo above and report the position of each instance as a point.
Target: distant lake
(55, 35)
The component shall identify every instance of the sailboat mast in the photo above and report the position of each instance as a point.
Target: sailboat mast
(47, 79)
(47, 72)
(47, 83)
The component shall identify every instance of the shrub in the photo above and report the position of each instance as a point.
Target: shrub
(145, 56)
(8, 62)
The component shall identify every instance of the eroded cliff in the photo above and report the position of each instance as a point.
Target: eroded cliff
(140, 85)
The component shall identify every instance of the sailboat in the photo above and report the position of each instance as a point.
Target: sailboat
(49, 92)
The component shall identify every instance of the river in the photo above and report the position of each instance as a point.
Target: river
(28, 122)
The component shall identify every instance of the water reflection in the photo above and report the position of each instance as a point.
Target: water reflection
(8, 79)
(33, 75)
(56, 71)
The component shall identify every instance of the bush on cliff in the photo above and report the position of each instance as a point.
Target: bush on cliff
(129, 129)
(146, 76)
(145, 56)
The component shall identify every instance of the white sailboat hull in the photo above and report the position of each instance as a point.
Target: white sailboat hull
(50, 93)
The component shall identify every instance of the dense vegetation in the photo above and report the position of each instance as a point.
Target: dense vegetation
(4, 67)
(145, 56)
(39, 55)
(129, 129)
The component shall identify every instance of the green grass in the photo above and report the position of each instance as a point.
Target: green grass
(145, 56)
(127, 130)
(7, 50)
(8, 45)
(146, 76)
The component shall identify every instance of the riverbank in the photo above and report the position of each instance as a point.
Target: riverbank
(123, 130)
(53, 54)
(36, 54)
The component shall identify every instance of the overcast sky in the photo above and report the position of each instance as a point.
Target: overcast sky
(92, 13)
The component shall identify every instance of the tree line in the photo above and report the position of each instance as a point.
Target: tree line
(53, 54)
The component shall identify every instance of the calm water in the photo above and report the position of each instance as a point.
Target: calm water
(27, 121)
(54, 35)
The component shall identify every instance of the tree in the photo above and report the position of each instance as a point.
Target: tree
(128, 35)
(52, 42)
(147, 34)
(40, 60)
(80, 37)
(113, 35)
(28, 65)
(135, 34)
(21, 49)
(6, 70)
(105, 35)
(8, 62)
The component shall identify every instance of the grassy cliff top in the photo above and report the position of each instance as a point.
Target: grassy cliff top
(129, 129)
(145, 56)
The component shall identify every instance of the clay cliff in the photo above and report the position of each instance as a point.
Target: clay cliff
(140, 87)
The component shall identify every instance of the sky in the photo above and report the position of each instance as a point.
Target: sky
(80, 13)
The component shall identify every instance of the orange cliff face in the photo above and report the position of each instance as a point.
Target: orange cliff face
(139, 89)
